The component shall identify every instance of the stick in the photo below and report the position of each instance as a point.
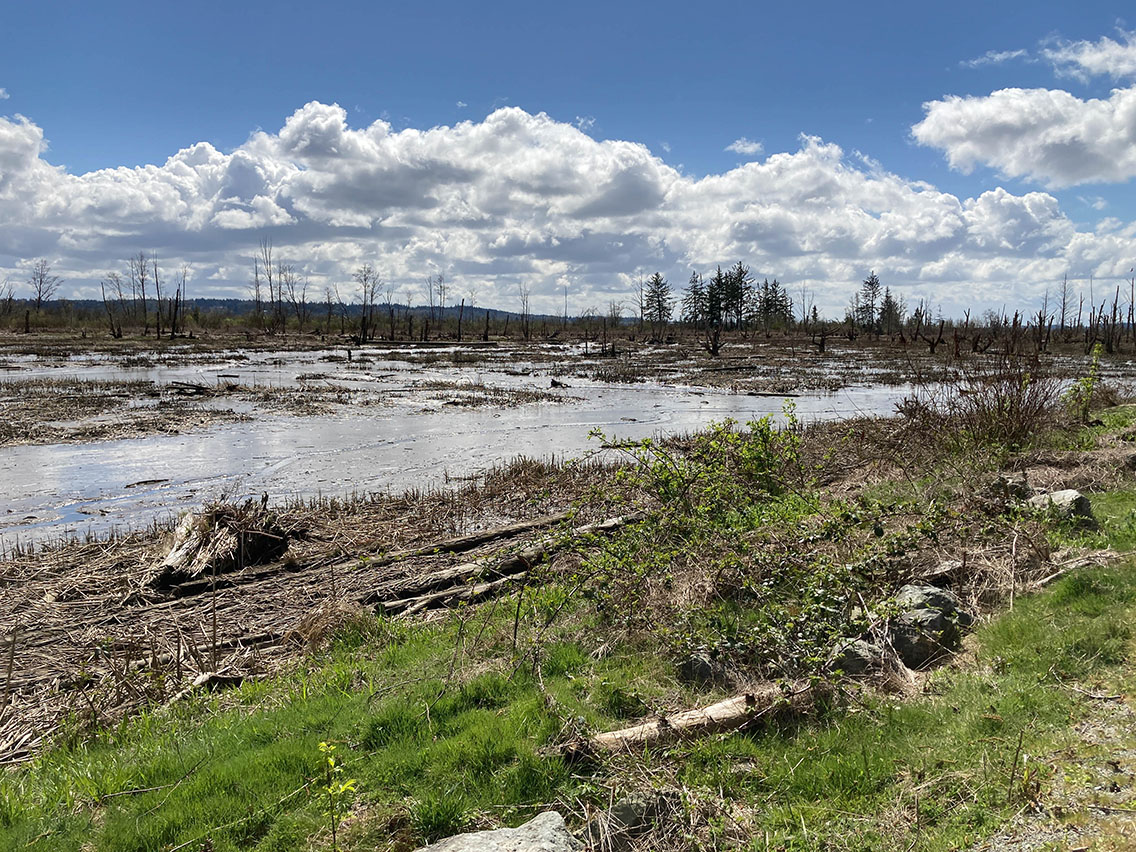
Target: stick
(8, 674)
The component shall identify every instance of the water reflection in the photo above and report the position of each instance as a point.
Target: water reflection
(56, 489)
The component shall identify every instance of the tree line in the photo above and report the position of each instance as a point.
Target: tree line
(729, 303)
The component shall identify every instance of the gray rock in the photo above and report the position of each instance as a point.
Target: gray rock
(544, 833)
(701, 669)
(929, 624)
(1069, 505)
(924, 596)
(1010, 487)
(857, 657)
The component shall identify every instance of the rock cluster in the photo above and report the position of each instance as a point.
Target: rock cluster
(928, 626)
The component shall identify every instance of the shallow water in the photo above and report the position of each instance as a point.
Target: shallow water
(409, 441)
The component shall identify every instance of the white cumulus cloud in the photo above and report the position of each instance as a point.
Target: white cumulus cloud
(1048, 135)
(1105, 57)
(745, 147)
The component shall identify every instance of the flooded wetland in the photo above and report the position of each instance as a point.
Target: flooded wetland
(92, 442)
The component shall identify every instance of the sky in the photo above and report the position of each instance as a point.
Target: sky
(971, 154)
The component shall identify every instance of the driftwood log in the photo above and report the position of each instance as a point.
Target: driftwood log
(460, 582)
(732, 714)
(218, 540)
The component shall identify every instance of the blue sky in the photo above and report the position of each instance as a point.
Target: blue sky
(697, 90)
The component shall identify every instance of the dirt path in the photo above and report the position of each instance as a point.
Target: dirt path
(1088, 799)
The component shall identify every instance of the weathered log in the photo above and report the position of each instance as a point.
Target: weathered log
(474, 592)
(458, 544)
(397, 588)
(218, 540)
(729, 715)
(337, 561)
(416, 593)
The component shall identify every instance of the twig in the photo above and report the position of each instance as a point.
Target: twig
(8, 674)
(1093, 695)
(1014, 767)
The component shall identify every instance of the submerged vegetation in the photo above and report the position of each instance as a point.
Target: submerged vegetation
(742, 554)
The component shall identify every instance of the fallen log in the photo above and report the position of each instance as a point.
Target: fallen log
(189, 388)
(729, 715)
(414, 594)
(470, 593)
(337, 561)
(458, 544)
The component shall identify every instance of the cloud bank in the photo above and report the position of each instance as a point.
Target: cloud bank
(519, 198)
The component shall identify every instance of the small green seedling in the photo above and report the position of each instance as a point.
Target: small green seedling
(337, 790)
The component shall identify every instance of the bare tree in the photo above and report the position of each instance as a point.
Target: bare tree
(296, 292)
(7, 297)
(443, 289)
(44, 285)
(257, 299)
(1131, 303)
(328, 296)
(339, 301)
(525, 293)
(407, 315)
(139, 272)
(806, 300)
(641, 301)
(157, 295)
(1064, 303)
(177, 303)
(388, 292)
(369, 282)
(111, 287)
(271, 276)
(1044, 321)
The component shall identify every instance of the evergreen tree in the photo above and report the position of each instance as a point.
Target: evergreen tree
(777, 307)
(868, 316)
(738, 292)
(716, 299)
(694, 301)
(892, 313)
(658, 304)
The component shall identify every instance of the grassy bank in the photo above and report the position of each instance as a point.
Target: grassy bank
(760, 549)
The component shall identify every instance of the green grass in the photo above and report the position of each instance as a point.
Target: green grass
(236, 773)
(435, 749)
(444, 724)
(832, 782)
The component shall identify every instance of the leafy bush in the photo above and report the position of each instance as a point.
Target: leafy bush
(715, 468)
(1004, 403)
